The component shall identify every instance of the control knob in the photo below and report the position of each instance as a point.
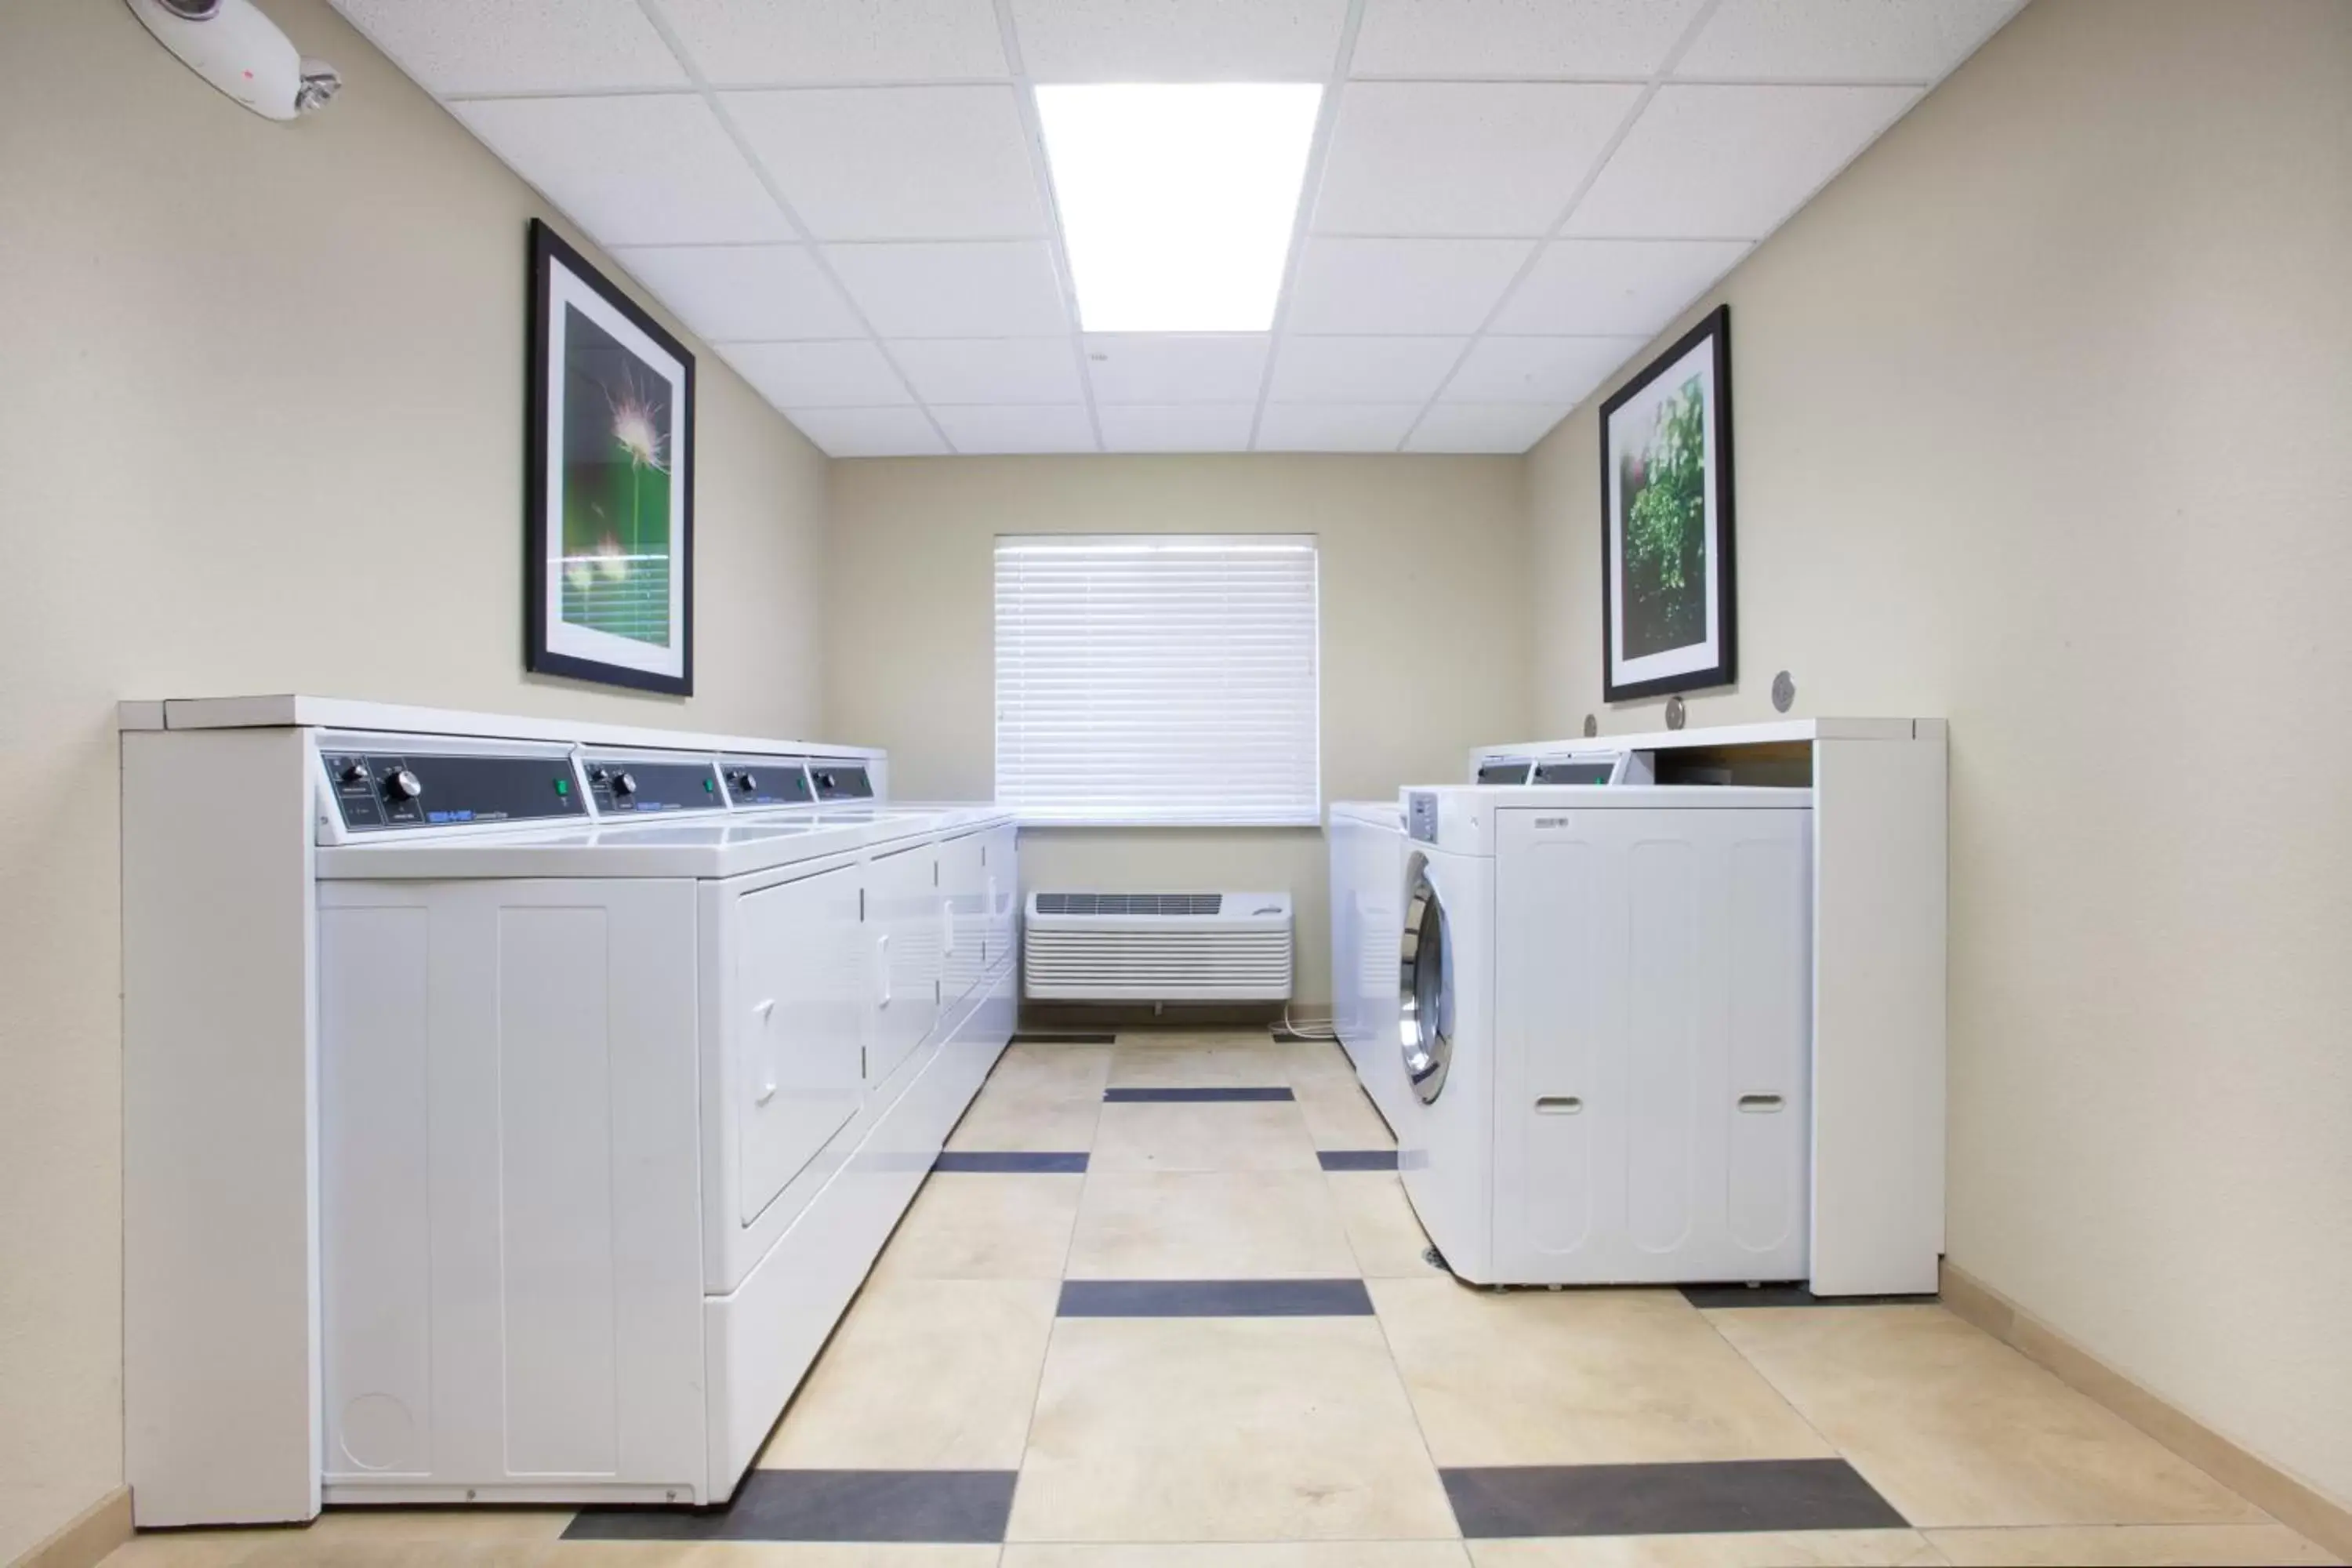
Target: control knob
(746, 782)
(624, 782)
(355, 772)
(402, 784)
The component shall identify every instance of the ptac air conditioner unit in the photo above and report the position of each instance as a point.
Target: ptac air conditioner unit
(1156, 947)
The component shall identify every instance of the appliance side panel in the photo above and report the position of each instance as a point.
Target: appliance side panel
(1879, 829)
(221, 1351)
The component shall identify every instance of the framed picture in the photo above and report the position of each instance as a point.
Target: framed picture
(1667, 589)
(608, 578)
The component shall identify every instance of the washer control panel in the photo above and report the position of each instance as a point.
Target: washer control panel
(765, 781)
(626, 785)
(379, 791)
(842, 780)
(1421, 815)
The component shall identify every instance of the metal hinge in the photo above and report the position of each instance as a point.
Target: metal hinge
(861, 1062)
(861, 904)
(935, 873)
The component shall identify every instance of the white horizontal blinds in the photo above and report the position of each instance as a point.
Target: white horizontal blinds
(1159, 679)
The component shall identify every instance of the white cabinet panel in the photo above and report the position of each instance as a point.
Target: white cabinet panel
(1652, 1035)
(516, 1060)
(904, 939)
(797, 1019)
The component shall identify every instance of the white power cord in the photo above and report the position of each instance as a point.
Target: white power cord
(1315, 1032)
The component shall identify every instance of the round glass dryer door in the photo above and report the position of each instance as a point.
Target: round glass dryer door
(1426, 986)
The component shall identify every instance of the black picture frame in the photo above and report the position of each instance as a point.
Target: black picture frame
(577, 592)
(1635, 663)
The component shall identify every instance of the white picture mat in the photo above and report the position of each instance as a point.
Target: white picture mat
(567, 289)
(1639, 414)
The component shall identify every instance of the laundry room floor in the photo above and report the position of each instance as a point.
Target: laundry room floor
(1163, 1304)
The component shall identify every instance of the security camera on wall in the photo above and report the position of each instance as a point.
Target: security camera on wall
(240, 51)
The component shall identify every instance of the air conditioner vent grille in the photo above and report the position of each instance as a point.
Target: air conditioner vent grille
(1130, 903)
(1158, 947)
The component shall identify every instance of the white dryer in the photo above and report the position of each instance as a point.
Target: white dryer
(1603, 1026)
(1367, 847)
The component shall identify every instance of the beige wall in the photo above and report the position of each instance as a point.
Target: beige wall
(261, 425)
(1423, 628)
(2042, 418)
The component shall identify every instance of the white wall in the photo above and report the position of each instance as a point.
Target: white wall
(1424, 629)
(261, 429)
(2044, 421)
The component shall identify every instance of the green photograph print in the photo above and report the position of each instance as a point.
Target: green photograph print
(609, 589)
(1666, 593)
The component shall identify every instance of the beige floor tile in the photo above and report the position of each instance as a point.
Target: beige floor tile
(1339, 1115)
(1078, 1067)
(984, 1227)
(439, 1524)
(1249, 1135)
(1316, 1061)
(2094, 1546)
(1789, 1549)
(1208, 1225)
(923, 1373)
(1248, 1554)
(1579, 1377)
(1196, 1429)
(1955, 1428)
(1383, 1230)
(1254, 1063)
(1050, 1117)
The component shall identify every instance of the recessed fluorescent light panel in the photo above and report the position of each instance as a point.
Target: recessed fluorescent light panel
(1177, 202)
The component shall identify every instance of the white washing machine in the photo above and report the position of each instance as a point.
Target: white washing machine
(1367, 847)
(1603, 1025)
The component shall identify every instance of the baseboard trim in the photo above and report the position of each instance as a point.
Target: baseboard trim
(85, 1541)
(2295, 1502)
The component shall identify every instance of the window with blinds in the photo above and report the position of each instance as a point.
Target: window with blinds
(1158, 678)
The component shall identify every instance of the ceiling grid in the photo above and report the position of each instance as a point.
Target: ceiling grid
(850, 202)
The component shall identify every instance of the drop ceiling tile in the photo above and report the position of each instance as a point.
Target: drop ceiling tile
(869, 432)
(726, 292)
(518, 46)
(1630, 287)
(1506, 428)
(1334, 427)
(1177, 427)
(1518, 37)
(1731, 162)
(809, 42)
(1169, 367)
(1361, 370)
(848, 375)
(990, 370)
(903, 163)
(1400, 286)
(1558, 371)
(634, 170)
(1464, 157)
(1179, 40)
(1897, 40)
(985, 427)
(1000, 288)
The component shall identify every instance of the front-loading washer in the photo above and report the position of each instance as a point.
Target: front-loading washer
(1603, 1023)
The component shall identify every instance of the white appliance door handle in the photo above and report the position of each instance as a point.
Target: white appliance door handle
(882, 967)
(947, 927)
(766, 1012)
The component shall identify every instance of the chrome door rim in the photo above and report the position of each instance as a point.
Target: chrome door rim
(1421, 1027)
